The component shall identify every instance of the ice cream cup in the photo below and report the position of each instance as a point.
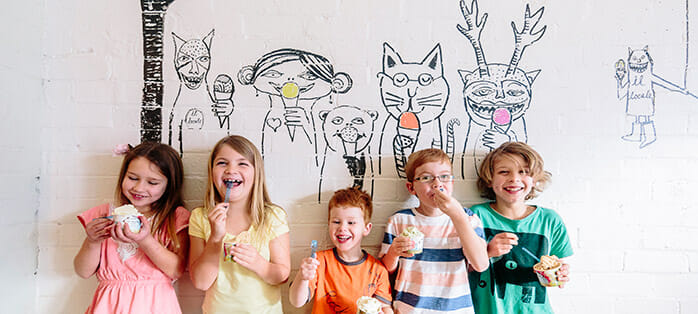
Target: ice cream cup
(228, 251)
(417, 237)
(368, 305)
(547, 277)
(131, 220)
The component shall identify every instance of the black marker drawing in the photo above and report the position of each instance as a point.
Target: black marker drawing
(348, 131)
(298, 85)
(194, 106)
(496, 95)
(635, 82)
(153, 20)
(415, 96)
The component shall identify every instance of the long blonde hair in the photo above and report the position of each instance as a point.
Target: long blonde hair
(260, 204)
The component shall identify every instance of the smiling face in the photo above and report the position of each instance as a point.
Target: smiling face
(484, 95)
(425, 190)
(192, 62)
(511, 179)
(143, 184)
(347, 227)
(307, 85)
(230, 166)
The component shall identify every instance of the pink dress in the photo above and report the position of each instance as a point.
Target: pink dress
(133, 285)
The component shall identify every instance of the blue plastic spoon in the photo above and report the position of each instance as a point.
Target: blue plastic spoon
(313, 248)
(228, 186)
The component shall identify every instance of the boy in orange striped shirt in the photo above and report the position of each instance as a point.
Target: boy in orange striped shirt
(338, 277)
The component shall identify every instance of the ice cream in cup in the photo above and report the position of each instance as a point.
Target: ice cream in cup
(368, 305)
(416, 236)
(128, 215)
(242, 237)
(546, 270)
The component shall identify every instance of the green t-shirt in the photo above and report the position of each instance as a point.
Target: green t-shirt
(509, 285)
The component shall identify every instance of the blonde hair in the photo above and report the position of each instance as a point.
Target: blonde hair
(424, 156)
(260, 205)
(352, 197)
(534, 162)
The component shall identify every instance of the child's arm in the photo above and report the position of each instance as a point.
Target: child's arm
(170, 263)
(274, 271)
(398, 248)
(474, 247)
(299, 294)
(387, 309)
(204, 255)
(87, 259)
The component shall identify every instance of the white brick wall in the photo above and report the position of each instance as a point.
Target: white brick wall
(71, 79)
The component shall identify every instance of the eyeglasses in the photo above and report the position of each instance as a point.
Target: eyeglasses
(430, 178)
(401, 79)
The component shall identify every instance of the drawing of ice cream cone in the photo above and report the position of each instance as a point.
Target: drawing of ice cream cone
(223, 92)
(349, 136)
(620, 69)
(501, 120)
(408, 131)
(289, 95)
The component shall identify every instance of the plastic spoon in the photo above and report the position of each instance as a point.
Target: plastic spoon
(529, 253)
(313, 248)
(228, 186)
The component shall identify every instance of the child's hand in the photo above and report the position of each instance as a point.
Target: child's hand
(501, 244)
(400, 246)
(247, 256)
(563, 274)
(217, 218)
(98, 229)
(308, 268)
(446, 203)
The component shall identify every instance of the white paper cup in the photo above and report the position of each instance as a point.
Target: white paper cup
(548, 277)
(131, 220)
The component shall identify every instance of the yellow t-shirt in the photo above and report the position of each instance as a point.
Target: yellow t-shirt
(237, 289)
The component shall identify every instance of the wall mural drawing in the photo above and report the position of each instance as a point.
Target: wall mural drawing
(153, 21)
(347, 131)
(496, 95)
(635, 80)
(297, 85)
(415, 95)
(195, 107)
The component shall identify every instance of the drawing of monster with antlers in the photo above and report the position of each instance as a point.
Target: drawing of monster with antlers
(496, 95)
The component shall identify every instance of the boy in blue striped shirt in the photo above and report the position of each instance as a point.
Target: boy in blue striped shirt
(436, 280)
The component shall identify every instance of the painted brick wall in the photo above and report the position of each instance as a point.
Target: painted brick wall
(72, 78)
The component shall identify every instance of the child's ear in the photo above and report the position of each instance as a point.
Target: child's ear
(367, 229)
(410, 187)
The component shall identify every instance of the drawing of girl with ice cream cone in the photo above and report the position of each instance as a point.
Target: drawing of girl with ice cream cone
(297, 84)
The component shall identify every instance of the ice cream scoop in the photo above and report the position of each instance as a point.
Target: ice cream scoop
(408, 130)
(368, 305)
(546, 270)
(416, 236)
(289, 95)
(501, 120)
(128, 215)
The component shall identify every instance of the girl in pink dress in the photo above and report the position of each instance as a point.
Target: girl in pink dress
(136, 269)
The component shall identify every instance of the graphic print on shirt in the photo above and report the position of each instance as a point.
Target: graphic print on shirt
(515, 268)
